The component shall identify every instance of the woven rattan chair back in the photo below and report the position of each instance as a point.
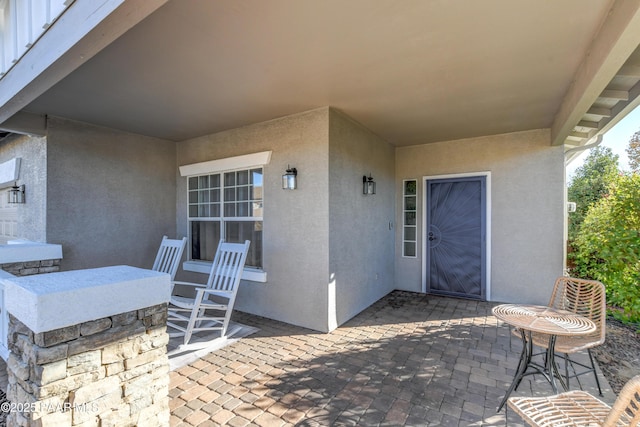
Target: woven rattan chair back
(579, 408)
(626, 409)
(586, 298)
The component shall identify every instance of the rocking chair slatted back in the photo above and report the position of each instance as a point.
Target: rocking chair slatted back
(169, 255)
(225, 269)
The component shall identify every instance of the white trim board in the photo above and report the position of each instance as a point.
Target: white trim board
(229, 163)
(422, 204)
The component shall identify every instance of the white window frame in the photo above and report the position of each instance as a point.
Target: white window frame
(406, 226)
(220, 166)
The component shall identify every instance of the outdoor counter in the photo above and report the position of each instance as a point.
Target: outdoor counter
(46, 302)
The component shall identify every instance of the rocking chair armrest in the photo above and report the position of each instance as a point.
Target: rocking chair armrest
(225, 294)
(195, 285)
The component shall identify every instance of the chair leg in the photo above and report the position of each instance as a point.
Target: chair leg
(595, 373)
(566, 369)
(592, 368)
(506, 416)
(195, 314)
(225, 323)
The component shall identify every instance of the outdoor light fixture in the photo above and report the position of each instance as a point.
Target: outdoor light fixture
(290, 179)
(16, 194)
(368, 185)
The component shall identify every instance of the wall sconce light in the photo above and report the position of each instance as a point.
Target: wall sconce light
(290, 179)
(16, 194)
(368, 185)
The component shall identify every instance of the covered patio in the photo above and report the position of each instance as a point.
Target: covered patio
(410, 359)
(120, 108)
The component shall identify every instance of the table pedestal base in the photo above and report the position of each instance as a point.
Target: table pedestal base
(527, 366)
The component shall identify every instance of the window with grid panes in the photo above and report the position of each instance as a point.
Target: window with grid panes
(409, 213)
(226, 205)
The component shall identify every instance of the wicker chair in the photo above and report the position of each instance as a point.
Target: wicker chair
(579, 408)
(587, 298)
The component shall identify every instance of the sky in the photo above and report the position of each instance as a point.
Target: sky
(617, 139)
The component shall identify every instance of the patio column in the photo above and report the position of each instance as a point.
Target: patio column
(88, 347)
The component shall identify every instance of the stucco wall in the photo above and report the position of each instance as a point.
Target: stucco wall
(110, 195)
(296, 223)
(31, 216)
(361, 228)
(527, 208)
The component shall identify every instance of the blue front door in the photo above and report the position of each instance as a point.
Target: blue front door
(456, 237)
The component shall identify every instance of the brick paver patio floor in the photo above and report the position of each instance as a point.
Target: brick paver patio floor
(408, 360)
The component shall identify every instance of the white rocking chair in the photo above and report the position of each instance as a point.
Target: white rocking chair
(169, 255)
(211, 308)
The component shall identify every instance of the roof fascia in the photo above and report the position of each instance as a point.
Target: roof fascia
(26, 124)
(618, 37)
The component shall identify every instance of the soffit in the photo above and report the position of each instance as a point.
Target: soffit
(412, 71)
(619, 97)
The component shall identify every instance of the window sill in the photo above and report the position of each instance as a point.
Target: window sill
(250, 274)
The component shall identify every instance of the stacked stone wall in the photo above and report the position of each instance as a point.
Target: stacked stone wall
(112, 371)
(29, 268)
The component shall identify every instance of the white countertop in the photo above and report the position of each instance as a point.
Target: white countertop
(25, 251)
(45, 302)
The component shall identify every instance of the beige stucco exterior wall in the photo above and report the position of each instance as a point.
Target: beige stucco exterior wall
(296, 223)
(31, 216)
(527, 208)
(361, 228)
(110, 194)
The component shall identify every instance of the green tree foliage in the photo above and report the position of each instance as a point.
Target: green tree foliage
(590, 183)
(607, 246)
(633, 150)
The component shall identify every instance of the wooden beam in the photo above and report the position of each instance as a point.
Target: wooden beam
(572, 142)
(620, 95)
(579, 135)
(599, 111)
(588, 124)
(629, 71)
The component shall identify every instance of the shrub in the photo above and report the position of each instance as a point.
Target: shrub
(607, 246)
(590, 183)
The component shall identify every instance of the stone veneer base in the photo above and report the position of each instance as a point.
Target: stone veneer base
(112, 371)
(28, 268)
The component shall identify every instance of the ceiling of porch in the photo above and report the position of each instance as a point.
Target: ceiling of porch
(412, 71)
